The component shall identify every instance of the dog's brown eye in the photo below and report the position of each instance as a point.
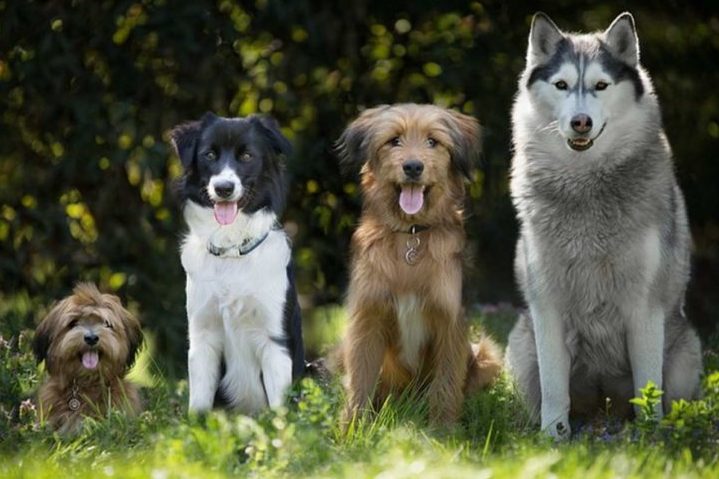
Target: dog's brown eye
(210, 155)
(246, 156)
(561, 85)
(395, 141)
(72, 324)
(108, 324)
(601, 85)
(431, 142)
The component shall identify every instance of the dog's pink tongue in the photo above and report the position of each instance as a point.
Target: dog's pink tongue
(225, 212)
(411, 199)
(90, 359)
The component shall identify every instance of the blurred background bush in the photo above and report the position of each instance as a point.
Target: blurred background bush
(90, 88)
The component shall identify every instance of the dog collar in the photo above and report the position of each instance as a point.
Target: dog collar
(414, 229)
(246, 247)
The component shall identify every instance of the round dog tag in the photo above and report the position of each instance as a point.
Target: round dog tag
(73, 404)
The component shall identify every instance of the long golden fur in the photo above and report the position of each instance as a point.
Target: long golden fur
(85, 379)
(380, 142)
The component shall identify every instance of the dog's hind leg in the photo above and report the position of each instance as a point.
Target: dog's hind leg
(682, 367)
(521, 359)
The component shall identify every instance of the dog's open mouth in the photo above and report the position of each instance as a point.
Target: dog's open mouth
(582, 144)
(411, 197)
(225, 212)
(90, 359)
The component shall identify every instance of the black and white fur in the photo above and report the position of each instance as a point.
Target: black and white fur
(244, 319)
(603, 253)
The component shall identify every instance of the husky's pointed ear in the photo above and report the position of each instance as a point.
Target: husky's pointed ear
(543, 38)
(621, 38)
(465, 133)
(271, 129)
(353, 146)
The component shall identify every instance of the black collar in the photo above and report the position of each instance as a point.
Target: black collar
(246, 247)
(414, 229)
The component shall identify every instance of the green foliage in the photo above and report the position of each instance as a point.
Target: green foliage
(689, 425)
(494, 437)
(647, 406)
(89, 89)
(18, 377)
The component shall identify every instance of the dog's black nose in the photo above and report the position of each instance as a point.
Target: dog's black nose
(224, 189)
(91, 339)
(581, 123)
(413, 168)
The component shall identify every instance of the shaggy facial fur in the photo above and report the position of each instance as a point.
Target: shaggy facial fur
(88, 342)
(406, 320)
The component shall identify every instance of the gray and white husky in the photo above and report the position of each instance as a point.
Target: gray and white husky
(603, 253)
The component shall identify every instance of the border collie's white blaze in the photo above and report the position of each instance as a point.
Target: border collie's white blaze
(244, 320)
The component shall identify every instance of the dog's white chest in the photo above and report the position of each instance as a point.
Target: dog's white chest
(412, 329)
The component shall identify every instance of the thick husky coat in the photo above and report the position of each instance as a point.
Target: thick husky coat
(603, 253)
(244, 319)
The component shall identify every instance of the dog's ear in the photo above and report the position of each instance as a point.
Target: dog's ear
(41, 341)
(184, 138)
(44, 332)
(352, 147)
(466, 144)
(621, 39)
(133, 329)
(543, 38)
(271, 129)
(134, 338)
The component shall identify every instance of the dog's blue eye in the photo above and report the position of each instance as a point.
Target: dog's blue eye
(246, 156)
(395, 141)
(210, 155)
(561, 85)
(601, 85)
(431, 142)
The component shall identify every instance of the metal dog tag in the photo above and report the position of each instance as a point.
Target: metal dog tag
(412, 253)
(73, 404)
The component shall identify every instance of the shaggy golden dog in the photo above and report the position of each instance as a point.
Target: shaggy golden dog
(406, 321)
(88, 342)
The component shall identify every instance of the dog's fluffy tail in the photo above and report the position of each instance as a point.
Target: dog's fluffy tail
(485, 364)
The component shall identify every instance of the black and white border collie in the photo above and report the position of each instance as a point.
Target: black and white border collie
(244, 320)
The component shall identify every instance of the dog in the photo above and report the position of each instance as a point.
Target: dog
(603, 256)
(88, 342)
(244, 319)
(406, 322)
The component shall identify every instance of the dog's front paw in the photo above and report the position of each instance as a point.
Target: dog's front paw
(199, 407)
(559, 429)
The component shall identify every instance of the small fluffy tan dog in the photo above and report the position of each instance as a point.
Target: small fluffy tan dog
(406, 321)
(88, 342)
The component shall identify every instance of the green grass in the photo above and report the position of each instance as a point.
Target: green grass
(494, 438)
